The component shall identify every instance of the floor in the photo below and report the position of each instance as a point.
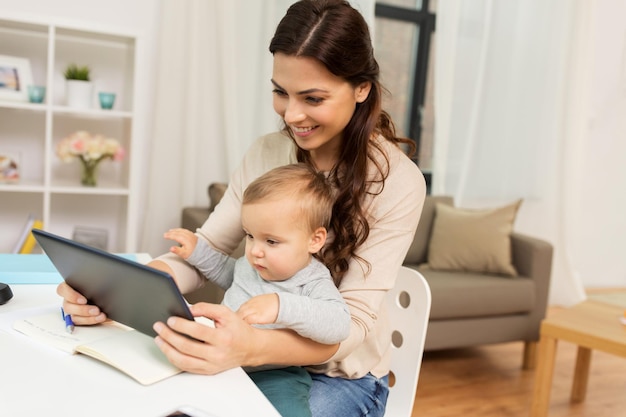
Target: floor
(488, 381)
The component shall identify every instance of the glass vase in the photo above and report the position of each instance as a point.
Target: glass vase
(89, 174)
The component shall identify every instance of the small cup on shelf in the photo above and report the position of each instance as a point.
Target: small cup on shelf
(106, 100)
(36, 93)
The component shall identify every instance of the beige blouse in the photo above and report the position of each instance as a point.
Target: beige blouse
(393, 216)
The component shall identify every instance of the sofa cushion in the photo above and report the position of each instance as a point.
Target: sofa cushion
(417, 253)
(468, 295)
(473, 240)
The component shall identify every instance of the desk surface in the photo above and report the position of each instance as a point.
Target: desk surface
(37, 379)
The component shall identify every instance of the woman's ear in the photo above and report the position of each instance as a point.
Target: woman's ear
(318, 238)
(362, 91)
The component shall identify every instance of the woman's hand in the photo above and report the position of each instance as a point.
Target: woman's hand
(75, 304)
(229, 345)
(232, 343)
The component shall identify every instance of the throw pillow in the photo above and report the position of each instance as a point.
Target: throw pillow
(473, 240)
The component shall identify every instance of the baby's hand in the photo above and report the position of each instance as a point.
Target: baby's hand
(185, 238)
(262, 309)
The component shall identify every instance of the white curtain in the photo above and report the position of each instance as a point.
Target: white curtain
(213, 98)
(516, 102)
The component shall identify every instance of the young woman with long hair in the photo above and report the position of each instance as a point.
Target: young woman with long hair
(326, 88)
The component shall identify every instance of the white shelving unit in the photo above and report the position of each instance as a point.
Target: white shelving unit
(49, 188)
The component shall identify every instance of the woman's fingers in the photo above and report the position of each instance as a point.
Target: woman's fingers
(184, 352)
(75, 304)
(196, 347)
(70, 294)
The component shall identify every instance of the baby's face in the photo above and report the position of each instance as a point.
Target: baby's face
(277, 244)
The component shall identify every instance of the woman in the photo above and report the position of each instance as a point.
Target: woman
(326, 89)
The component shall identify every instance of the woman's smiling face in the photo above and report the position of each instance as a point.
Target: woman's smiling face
(315, 104)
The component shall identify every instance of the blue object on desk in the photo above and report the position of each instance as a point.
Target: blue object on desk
(69, 324)
(33, 268)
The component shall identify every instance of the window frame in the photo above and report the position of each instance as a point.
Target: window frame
(425, 21)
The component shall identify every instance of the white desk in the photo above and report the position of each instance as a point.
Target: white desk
(36, 379)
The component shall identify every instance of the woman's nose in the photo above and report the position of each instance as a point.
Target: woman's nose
(294, 112)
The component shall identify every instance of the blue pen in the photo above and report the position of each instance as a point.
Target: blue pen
(69, 324)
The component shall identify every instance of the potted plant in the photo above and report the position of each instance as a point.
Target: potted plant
(74, 72)
(79, 87)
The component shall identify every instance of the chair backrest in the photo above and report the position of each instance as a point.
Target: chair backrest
(408, 304)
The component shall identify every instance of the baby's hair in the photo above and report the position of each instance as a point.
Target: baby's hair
(301, 183)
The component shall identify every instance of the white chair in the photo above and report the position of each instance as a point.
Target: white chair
(408, 304)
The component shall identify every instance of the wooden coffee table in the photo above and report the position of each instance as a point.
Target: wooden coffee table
(592, 324)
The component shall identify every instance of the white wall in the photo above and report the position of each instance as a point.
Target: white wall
(135, 14)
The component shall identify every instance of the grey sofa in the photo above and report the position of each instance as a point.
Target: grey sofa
(468, 309)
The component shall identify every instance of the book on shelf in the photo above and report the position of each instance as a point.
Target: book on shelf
(26, 242)
(24, 234)
(132, 352)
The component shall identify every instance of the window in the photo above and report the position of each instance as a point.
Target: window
(404, 34)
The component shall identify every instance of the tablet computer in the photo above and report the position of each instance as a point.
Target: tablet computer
(127, 292)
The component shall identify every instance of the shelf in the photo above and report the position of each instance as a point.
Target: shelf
(22, 187)
(49, 188)
(101, 189)
(18, 105)
(90, 113)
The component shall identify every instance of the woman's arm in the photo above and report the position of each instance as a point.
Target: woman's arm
(232, 343)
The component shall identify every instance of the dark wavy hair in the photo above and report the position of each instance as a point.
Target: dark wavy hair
(336, 34)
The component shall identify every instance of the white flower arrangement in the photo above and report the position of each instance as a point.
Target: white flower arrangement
(88, 147)
(89, 150)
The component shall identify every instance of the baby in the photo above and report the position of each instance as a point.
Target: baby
(279, 283)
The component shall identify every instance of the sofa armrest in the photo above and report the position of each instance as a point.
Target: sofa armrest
(532, 258)
(194, 217)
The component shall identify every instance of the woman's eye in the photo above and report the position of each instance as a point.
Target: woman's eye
(314, 100)
(279, 93)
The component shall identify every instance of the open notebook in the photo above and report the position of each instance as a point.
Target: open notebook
(129, 293)
(122, 347)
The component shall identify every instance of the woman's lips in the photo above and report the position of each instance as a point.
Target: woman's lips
(303, 131)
